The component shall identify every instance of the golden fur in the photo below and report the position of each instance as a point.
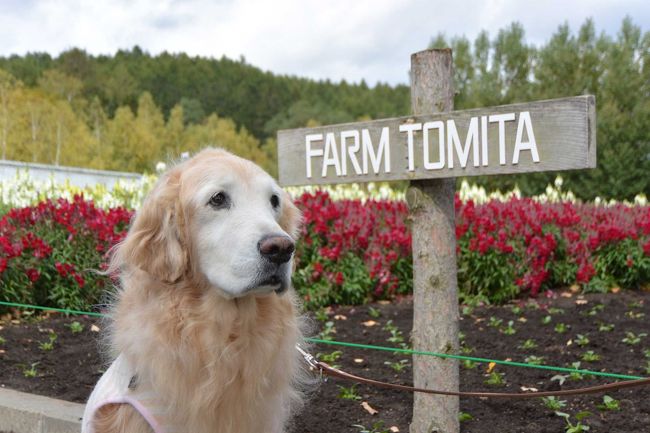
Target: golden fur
(219, 363)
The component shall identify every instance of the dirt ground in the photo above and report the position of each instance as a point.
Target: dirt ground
(70, 370)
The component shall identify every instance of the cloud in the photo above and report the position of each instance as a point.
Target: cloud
(336, 39)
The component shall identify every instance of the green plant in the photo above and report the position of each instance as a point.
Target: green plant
(606, 327)
(328, 331)
(396, 336)
(31, 371)
(534, 360)
(555, 310)
(553, 403)
(2, 340)
(377, 427)
(48, 345)
(647, 367)
(532, 305)
(75, 327)
(595, 310)
(398, 366)
(495, 378)
(578, 427)
(561, 328)
(348, 393)
(635, 314)
(374, 312)
(546, 320)
(528, 344)
(632, 339)
(581, 340)
(516, 310)
(509, 329)
(609, 403)
(466, 350)
(469, 364)
(321, 314)
(330, 358)
(494, 322)
(464, 417)
(646, 353)
(590, 356)
(635, 304)
(469, 302)
(574, 375)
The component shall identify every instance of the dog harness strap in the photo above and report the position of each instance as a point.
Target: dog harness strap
(118, 386)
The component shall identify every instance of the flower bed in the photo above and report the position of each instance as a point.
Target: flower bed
(50, 253)
(353, 251)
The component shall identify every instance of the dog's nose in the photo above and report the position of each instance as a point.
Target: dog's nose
(276, 248)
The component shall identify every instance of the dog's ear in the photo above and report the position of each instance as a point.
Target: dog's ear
(154, 241)
(291, 217)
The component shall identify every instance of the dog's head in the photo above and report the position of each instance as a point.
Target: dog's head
(216, 218)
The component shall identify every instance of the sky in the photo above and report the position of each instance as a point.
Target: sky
(326, 39)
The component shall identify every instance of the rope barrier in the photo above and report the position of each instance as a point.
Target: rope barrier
(381, 348)
(470, 358)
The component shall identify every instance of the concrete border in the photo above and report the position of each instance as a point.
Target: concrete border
(21, 412)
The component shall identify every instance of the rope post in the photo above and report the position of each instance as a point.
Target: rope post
(435, 292)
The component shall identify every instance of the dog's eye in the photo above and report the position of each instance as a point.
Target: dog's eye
(275, 201)
(219, 200)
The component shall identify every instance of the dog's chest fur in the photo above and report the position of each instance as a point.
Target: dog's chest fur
(218, 364)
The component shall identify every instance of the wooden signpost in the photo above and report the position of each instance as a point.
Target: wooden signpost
(431, 148)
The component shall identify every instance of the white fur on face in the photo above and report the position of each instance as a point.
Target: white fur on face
(227, 238)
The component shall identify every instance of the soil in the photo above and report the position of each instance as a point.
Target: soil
(70, 370)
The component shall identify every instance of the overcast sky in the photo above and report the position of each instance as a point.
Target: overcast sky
(335, 39)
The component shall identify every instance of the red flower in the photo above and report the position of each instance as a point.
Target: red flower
(33, 275)
(646, 248)
(585, 272)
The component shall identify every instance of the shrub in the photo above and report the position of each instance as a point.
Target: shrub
(49, 253)
(351, 252)
(525, 246)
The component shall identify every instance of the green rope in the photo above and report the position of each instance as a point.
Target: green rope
(470, 358)
(60, 310)
(371, 347)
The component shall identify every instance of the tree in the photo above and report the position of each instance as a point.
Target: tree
(119, 86)
(223, 133)
(58, 84)
(192, 110)
(8, 87)
(174, 133)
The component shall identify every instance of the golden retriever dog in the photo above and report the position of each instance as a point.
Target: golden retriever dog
(205, 322)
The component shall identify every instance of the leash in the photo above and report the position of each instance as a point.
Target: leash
(324, 368)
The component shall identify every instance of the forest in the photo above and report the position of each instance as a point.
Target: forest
(130, 110)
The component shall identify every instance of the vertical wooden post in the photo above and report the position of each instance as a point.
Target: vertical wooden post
(435, 298)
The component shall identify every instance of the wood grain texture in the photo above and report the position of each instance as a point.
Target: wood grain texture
(435, 289)
(564, 131)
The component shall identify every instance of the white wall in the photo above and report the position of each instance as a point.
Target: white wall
(75, 175)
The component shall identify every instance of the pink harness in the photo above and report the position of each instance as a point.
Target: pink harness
(113, 388)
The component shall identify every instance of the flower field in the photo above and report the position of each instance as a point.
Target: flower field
(50, 253)
(355, 250)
